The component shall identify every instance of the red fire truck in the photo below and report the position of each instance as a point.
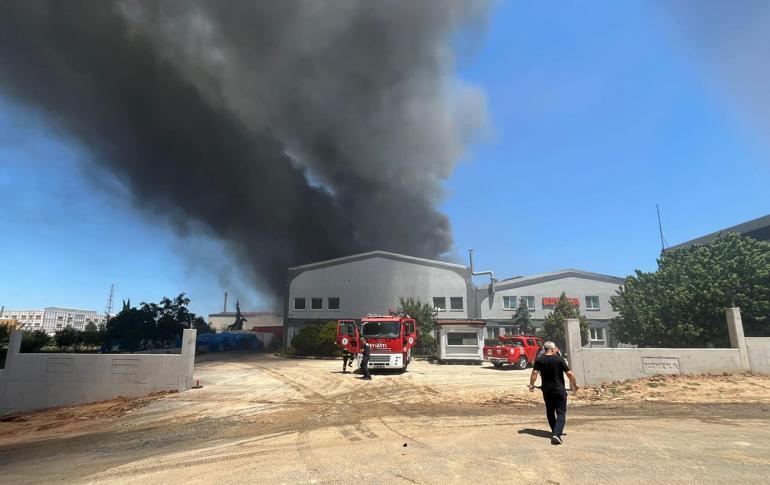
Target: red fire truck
(390, 337)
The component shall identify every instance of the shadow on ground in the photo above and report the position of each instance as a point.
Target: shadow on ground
(540, 433)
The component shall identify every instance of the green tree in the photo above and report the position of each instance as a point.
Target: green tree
(34, 341)
(522, 318)
(129, 328)
(682, 303)
(200, 324)
(553, 326)
(68, 337)
(93, 335)
(425, 318)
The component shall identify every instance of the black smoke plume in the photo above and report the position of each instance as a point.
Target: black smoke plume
(293, 131)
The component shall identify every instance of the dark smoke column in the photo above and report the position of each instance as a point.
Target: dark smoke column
(293, 131)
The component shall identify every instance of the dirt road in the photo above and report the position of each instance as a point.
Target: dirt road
(270, 420)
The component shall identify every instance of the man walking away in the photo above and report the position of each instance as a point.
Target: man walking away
(551, 366)
(366, 352)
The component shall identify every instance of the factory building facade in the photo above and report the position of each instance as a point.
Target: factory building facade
(373, 282)
(590, 293)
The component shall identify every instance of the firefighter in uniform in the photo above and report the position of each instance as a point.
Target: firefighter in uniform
(347, 360)
(365, 353)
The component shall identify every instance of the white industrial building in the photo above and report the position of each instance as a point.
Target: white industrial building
(51, 319)
(373, 282)
(589, 292)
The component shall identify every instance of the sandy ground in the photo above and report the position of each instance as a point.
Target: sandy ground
(264, 419)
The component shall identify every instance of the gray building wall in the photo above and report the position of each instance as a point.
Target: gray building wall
(374, 283)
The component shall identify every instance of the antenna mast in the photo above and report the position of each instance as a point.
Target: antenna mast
(660, 228)
(108, 306)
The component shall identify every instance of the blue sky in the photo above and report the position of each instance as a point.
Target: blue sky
(597, 112)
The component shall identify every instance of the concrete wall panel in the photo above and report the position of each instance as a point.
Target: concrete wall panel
(759, 354)
(607, 365)
(36, 381)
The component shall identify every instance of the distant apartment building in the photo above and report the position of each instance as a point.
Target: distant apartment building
(51, 319)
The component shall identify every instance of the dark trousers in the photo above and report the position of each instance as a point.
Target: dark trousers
(365, 367)
(556, 411)
(345, 358)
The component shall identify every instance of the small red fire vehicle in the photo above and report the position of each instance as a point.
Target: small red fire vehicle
(517, 350)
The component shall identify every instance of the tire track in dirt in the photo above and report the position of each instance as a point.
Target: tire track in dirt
(302, 390)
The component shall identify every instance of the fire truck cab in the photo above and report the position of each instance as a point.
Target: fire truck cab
(390, 337)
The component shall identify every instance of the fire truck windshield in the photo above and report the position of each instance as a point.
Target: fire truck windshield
(382, 329)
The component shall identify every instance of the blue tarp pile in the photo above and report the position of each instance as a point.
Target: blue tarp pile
(217, 342)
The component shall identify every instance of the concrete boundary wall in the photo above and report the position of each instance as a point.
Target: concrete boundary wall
(36, 381)
(759, 354)
(593, 366)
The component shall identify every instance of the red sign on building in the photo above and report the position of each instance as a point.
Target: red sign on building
(551, 302)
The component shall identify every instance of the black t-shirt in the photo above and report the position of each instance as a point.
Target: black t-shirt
(365, 350)
(551, 369)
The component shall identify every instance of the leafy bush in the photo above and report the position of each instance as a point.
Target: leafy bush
(320, 340)
(68, 337)
(34, 341)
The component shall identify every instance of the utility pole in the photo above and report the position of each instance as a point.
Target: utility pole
(108, 306)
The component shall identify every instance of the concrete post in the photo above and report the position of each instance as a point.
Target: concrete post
(14, 347)
(737, 340)
(574, 349)
(186, 360)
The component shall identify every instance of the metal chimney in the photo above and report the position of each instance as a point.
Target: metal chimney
(490, 273)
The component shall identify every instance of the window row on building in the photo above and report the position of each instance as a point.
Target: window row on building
(455, 303)
(332, 303)
(512, 302)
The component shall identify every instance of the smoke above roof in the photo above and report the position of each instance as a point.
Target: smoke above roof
(294, 131)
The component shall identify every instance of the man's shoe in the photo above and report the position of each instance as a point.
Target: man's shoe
(556, 440)
(344, 371)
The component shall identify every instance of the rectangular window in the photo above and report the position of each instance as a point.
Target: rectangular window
(38, 317)
(333, 303)
(462, 338)
(509, 303)
(530, 301)
(592, 303)
(60, 317)
(316, 303)
(597, 334)
(440, 303)
(456, 303)
(299, 303)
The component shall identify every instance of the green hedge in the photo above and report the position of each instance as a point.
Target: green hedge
(319, 340)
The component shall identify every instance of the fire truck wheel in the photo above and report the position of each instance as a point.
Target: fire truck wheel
(522, 362)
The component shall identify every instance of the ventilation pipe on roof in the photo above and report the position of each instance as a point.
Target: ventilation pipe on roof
(491, 274)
